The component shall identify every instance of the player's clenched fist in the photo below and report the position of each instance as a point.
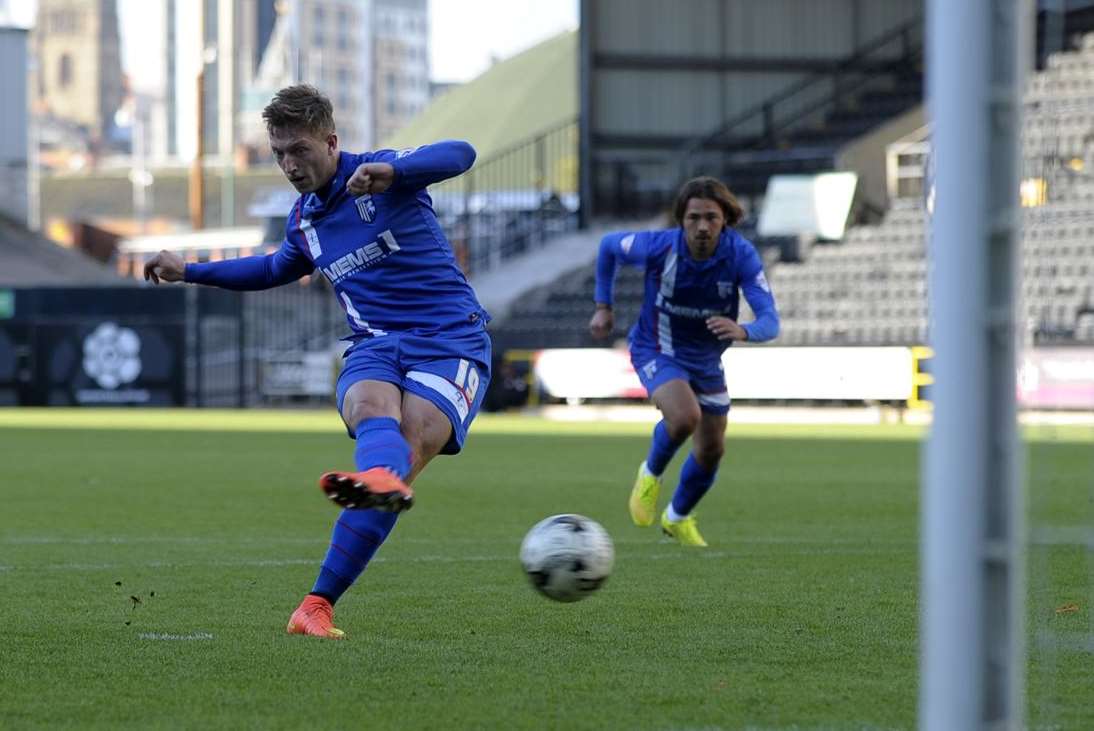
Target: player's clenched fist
(166, 266)
(371, 177)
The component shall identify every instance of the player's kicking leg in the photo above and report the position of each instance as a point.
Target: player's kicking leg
(399, 429)
(372, 496)
(428, 431)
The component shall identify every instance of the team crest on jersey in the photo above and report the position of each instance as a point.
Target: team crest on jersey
(366, 208)
(725, 289)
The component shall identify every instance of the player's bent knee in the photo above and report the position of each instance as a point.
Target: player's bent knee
(682, 424)
(369, 400)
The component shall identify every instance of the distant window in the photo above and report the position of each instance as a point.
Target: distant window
(318, 17)
(64, 71)
(64, 22)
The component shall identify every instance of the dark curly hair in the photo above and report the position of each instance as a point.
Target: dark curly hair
(710, 189)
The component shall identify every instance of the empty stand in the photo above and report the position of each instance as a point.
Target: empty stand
(871, 287)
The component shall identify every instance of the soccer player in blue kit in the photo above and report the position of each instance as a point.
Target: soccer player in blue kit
(693, 277)
(419, 362)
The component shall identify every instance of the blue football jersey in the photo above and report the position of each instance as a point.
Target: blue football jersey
(385, 255)
(681, 292)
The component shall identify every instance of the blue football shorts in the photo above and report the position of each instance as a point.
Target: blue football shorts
(707, 380)
(450, 372)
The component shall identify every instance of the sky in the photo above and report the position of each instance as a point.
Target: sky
(465, 35)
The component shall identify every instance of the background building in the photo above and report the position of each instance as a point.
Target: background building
(14, 148)
(79, 73)
(331, 49)
(369, 56)
(400, 68)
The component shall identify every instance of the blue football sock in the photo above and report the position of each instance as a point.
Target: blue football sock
(662, 448)
(381, 444)
(358, 534)
(694, 483)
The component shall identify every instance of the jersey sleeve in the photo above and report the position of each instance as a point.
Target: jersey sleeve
(758, 294)
(426, 165)
(621, 247)
(249, 273)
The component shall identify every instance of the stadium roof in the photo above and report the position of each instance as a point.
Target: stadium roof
(508, 104)
(29, 260)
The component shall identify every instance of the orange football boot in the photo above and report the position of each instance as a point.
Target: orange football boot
(378, 488)
(315, 617)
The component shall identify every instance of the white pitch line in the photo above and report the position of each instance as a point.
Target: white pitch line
(323, 541)
(170, 637)
(445, 559)
(135, 540)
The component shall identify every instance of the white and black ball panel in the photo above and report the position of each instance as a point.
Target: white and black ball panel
(567, 557)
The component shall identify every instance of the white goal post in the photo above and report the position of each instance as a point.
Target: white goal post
(972, 585)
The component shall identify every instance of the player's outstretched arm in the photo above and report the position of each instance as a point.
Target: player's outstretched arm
(247, 273)
(250, 273)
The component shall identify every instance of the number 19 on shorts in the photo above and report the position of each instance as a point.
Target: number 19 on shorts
(467, 380)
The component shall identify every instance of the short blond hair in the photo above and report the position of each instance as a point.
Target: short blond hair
(300, 107)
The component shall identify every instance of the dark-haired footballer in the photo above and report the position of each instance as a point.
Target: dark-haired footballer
(695, 273)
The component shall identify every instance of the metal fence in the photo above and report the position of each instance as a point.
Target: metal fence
(275, 347)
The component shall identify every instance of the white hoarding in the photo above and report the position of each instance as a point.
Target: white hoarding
(763, 373)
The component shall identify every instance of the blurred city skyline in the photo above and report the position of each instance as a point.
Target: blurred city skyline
(465, 36)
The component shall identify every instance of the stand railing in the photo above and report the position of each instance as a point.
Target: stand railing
(514, 201)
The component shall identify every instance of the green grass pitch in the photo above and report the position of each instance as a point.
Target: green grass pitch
(149, 562)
